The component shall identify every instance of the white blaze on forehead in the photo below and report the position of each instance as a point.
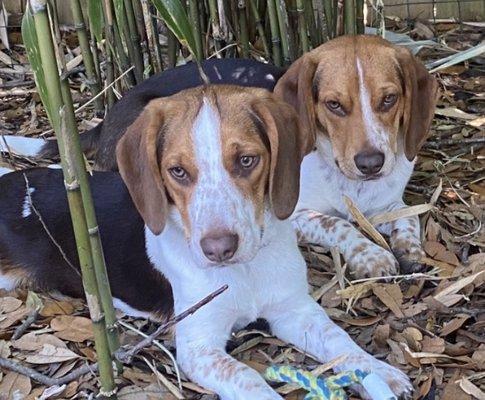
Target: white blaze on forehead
(373, 129)
(26, 207)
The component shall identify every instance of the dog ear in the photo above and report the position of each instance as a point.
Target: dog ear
(296, 88)
(421, 94)
(288, 145)
(137, 154)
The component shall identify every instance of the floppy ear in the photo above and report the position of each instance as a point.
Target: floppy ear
(421, 94)
(296, 88)
(137, 158)
(287, 147)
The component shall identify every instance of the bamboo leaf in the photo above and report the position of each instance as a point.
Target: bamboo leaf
(29, 36)
(96, 21)
(175, 17)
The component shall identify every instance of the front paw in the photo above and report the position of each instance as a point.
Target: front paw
(397, 381)
(369, 260)
(409, 254)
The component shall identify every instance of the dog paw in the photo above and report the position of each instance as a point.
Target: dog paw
(397, 380)
(369, 260)
(409, 254)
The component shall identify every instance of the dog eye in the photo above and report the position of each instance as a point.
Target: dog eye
(247, 162)
(388, 101)
(335, 107)
(178, 173)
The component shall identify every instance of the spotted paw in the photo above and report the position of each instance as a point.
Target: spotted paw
(397, 381)
(369, 260)
(409, 255)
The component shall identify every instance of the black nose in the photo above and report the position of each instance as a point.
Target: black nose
(219, 246)
(369, 162)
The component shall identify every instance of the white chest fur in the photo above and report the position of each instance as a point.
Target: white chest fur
(322, 184)
(253, 286)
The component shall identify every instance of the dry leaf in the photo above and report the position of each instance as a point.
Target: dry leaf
(74, 329)
(448, 297)
(391, 296)
(14, 386)
(54, 307)
(51, 354)
(12, 318)
(470, 388)
(9, 304)
(454, 324)
(433, 345)
(33, 342)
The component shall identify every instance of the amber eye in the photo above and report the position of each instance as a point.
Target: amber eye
(178, 173)
(388, 101)
(335, 107)
(248, 162)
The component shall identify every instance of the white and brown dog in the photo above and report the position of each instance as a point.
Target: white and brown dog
(214, 173)
(369, 105)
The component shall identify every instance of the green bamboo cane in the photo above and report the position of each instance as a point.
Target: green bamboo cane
(194, 17)
(300, 8)
(284, 35)
(66, 139)
(315, 34)
(152, 38)
(134, 38)
(349, 17)
(154, 18)
(87, 55)
(172, 49)
(359, 16)
(260, 27)
(214, 21)
(140, 21)
(243, 28)
(275, 33)
(330, 17)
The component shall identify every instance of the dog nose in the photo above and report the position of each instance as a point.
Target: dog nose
(368, 162)
(219, 246)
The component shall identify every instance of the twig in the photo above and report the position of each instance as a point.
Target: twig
(125, 356)
(31, 318)
(45, 380)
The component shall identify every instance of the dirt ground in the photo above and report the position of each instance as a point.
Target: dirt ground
(431, 325)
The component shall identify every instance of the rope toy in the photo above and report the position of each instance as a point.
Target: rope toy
(331, 388)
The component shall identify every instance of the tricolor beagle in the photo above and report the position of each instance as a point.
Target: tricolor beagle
(368, 103)
(214, 173)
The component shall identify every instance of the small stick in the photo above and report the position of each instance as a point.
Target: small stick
(31, 318)
(127, 355)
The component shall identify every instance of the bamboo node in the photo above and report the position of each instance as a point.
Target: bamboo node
(80, 25)
(94, 308)
(108, 394)
(94, 230)
(74, 185)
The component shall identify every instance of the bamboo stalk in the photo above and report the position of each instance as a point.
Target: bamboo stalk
(284, 35)
(359, 16)
(134, 39)
(194, 17)
(87, 55)
(152, 36)
(173, 47)
(66, 139)
(330, 17)
(260, 27)
(300, 9)
(349, 17)
(275, 33)
(310, 15)
(243, 28)
(215, 23)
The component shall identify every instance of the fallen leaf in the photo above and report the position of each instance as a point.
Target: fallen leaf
(448, 295)
(470, 388)
(74, 329)
(33, 342)
(9, 304)
(14, 386)
(55, 307)
(51, 354)
(454, 324)
(13, 317)
(391, 296)
(433, 345)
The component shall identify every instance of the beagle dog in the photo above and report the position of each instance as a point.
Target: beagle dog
(368, 105)
(214, 173)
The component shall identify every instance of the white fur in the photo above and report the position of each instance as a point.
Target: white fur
(26, 207)
(217, 203)
(21, 145)
(376, 135)
(7, 283)
(4, 171)
(128, 310)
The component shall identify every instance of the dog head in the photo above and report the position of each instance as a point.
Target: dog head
(220, 156)
(369, 99)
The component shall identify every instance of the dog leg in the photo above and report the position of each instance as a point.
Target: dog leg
(364, 258)
(201, 355)
(404, 238)
(302, 322)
